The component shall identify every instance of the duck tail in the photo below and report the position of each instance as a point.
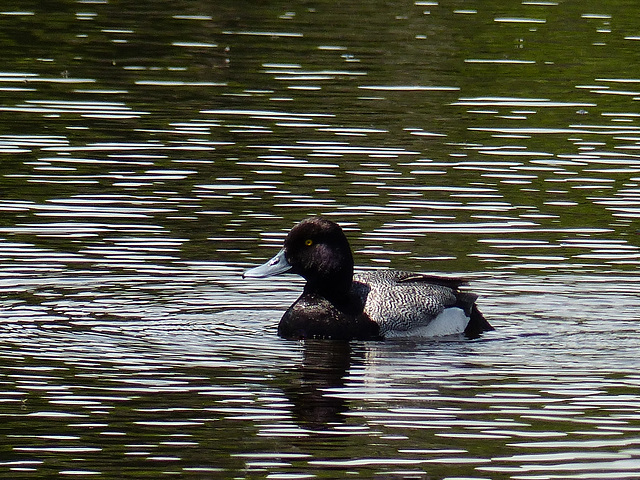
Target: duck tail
(477, 323)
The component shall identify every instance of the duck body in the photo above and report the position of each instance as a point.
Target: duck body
(372, 305)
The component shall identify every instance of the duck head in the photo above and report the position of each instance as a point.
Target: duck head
(317, 250)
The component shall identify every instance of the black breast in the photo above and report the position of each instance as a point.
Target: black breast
(313, 316)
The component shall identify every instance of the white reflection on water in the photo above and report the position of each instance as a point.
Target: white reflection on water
(517, 102)
(554, 380)
(128, 334)
(107, 110)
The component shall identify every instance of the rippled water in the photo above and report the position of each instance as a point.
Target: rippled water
(152, 151)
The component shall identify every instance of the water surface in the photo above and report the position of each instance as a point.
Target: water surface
(153, 151)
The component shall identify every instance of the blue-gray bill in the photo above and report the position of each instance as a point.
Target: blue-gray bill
(278, 264)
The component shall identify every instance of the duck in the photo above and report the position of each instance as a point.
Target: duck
(338, 304)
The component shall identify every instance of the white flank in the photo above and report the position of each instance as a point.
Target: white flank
(452, 321)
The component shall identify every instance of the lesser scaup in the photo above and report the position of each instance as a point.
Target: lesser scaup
(336, 304)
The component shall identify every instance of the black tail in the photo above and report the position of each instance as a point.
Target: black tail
(477, 324)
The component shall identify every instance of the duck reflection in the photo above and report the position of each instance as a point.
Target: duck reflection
(324, 366)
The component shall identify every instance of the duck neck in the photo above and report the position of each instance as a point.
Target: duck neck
(335, 288)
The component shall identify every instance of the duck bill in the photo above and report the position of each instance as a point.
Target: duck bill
(275, 266)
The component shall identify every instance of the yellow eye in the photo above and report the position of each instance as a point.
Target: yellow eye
(308, 242)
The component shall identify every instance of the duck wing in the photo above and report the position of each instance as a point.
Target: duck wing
(453, 283)
(403, 301)
(390, 277)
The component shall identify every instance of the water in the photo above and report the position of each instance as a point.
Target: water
(152, 151)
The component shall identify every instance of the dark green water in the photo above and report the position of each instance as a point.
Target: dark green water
(150, 151)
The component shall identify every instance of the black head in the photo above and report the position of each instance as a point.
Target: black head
(318, 250)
